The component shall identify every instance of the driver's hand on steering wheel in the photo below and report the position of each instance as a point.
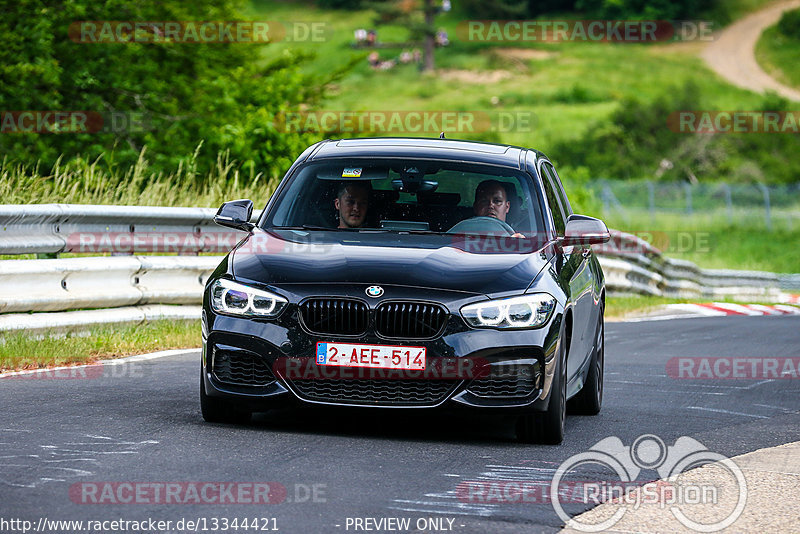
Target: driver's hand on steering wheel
(517, 234)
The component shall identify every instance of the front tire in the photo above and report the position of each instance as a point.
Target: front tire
(219, 410)
(590, 398)
(548, 427)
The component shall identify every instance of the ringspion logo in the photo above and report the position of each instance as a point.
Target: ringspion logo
(649, 452)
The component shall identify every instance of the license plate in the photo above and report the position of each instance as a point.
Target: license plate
(374, 356)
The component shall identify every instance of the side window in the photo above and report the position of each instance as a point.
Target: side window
(553, 200)
(559, 190)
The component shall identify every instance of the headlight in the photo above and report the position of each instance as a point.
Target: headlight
(529, 311)
(233, 298)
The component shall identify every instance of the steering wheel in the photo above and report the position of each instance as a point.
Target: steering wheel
(478, 225)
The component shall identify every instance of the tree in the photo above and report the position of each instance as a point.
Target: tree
(419, 16)
(188, 93)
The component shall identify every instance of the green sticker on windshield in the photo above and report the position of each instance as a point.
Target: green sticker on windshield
(351, 172)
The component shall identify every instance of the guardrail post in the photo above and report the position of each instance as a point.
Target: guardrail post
(688, 189)
(728, 202)
(767, 210)
(651, 199)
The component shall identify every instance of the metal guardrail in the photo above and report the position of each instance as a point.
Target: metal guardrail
(109, 290)
(631, 265)
(108, 282)
(87, 229)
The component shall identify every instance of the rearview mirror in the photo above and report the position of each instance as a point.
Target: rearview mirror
(585, 230)
(236, 214)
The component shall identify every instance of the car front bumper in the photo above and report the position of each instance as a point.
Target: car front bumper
(260, 365)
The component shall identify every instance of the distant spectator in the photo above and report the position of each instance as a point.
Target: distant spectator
(361, 36)
(374, 60)
(406, 57)
(446, 5)
(372, 38)
(441, 38)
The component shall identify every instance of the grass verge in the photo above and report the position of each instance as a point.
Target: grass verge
(620, 307)
(82, 182)
(23, 351)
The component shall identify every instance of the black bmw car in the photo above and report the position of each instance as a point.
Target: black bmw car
(409, 273)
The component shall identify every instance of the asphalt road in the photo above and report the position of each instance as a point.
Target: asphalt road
(140, 423)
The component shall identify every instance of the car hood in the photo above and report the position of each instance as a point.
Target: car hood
(458, 263)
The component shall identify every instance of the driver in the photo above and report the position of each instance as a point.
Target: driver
(491, 200)
(351, 203)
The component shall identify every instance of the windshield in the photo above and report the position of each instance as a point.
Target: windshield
(415, 196)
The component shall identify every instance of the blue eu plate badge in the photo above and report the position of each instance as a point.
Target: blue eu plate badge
(322, 351)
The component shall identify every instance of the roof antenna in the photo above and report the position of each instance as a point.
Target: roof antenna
(441, 135)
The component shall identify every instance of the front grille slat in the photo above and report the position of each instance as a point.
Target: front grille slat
(376, 391)
(335, 316)
(343, 316)
(241, 368)
(409, 320)
(519, 382)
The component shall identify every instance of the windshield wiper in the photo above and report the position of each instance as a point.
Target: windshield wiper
(303, 227)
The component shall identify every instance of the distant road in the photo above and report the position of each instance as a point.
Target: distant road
(732, 53)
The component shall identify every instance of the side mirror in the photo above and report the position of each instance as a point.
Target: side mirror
(585, 230)
(236, 214)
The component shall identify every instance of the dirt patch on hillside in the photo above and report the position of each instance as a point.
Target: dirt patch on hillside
(472, 76)
(523, 54)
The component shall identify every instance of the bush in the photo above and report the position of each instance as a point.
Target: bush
(789, 25)
(339, 4)
(189, 94)
(645, 9)
(607, 9)
(500, 9)
(636, 142)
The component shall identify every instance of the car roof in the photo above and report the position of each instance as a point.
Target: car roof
(423, 148)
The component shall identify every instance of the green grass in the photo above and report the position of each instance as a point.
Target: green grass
(84, 182)
(620, 307)
(23, 351)
(712, 243)
(579, 83)
(779, 56)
